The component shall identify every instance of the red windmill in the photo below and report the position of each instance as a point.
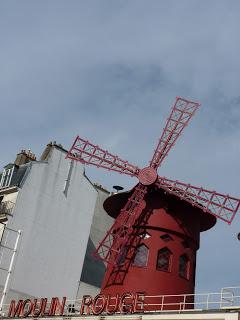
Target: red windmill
(152, 244)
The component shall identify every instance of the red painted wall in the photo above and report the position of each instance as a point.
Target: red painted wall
(183, 223)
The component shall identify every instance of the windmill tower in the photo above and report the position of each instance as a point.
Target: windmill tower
(153, 242)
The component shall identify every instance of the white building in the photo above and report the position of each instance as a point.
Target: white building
(53, 203)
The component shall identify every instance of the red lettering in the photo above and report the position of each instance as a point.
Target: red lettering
(29, 305)
(37, 309)
(112, 308)
(43, 307)
(86, 302)
(15, 311)
(125, 307)
(138, 305)
(127, 303)
(57, 307)
(99, 303)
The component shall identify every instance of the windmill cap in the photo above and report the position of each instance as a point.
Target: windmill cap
(116, 202)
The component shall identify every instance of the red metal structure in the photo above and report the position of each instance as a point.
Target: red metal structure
(152, 245)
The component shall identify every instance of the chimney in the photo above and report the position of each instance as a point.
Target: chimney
(46, 151)
(24, 156)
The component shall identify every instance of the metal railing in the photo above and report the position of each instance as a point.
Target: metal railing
(11, 255)
(227, 298)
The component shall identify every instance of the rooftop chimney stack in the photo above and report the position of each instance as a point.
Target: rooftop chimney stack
(24, 156)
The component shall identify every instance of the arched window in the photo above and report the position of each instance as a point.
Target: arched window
(164, 260)
(141, 257)
(166, 237)
(183, 270)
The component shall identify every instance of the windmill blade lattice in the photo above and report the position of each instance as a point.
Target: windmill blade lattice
(112, 246)
(221, 206)
(182, 112)
(88, 153)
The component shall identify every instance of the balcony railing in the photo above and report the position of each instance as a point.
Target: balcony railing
(6, 207)
(228, 299)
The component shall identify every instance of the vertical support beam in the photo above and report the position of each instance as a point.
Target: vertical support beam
(10, 270)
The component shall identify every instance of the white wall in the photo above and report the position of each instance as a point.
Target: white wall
(55, 228)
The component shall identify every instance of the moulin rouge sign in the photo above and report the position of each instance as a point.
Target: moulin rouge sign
(125, 303)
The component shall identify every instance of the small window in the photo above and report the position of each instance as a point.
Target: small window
(6, 177)
(166, 237)
(141, 257)
(164, 260)
(183, 266)
(144, 235)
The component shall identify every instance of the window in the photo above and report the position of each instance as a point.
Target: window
(166, 237)
(6, 177)
(183, 267)
(164, 260)
(141, 257)
(144, 235)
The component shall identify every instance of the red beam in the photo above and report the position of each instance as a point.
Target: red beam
(182, 112)
(88, 153)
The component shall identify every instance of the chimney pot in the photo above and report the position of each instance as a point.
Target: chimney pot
(24, 157)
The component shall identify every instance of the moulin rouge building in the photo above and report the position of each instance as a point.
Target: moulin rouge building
(147, 257)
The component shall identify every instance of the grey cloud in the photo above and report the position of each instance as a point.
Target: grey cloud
(110, 71)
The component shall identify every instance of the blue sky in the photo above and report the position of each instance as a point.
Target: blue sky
(110, 71)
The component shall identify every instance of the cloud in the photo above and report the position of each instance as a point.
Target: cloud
(110, 71)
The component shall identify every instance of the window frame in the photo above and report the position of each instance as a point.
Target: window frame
(187, 271)
(170, 258)
(166, 237)
(147, 256)
(6, 177)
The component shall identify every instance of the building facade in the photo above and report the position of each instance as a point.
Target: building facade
(60, 216)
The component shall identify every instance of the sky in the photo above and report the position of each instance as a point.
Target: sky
(110, 71)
